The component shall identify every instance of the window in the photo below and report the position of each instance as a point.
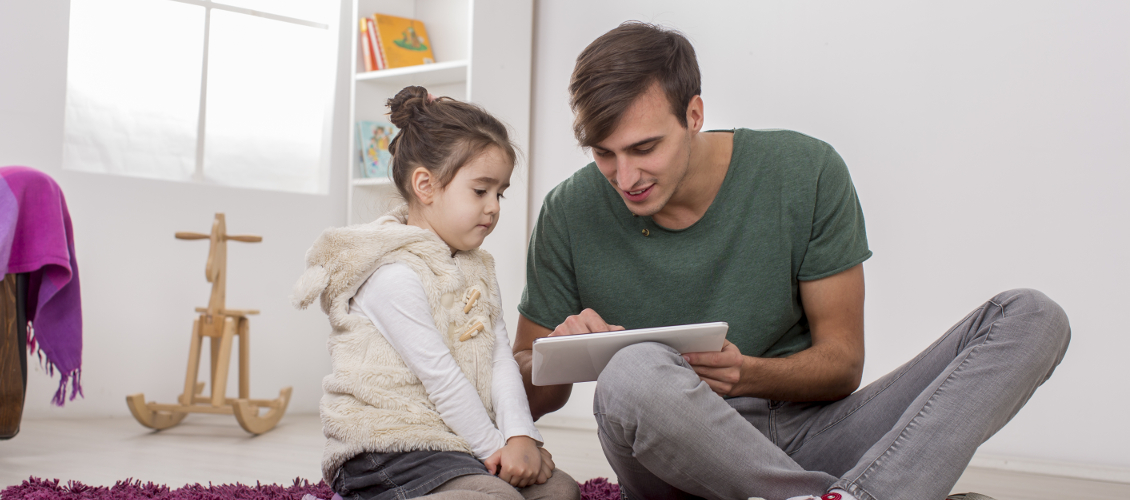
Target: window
(234, 92)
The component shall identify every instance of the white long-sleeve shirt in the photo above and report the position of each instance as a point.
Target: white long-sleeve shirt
(393, 299)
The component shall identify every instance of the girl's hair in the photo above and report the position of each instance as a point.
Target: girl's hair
(441, 135)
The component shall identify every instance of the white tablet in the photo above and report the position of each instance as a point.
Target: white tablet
(580, 358)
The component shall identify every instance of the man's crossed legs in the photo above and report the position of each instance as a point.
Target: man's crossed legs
(909, 434)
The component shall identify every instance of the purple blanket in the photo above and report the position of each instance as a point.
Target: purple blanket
(36, 238)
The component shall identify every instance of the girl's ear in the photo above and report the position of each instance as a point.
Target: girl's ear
(422, 185)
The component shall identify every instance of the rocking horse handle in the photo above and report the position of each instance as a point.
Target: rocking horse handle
(247, 238)
(182, 235)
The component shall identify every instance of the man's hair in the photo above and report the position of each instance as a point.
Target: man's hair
(622, 65)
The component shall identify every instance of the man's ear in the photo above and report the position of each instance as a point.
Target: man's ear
(422, 185)
(695, 117)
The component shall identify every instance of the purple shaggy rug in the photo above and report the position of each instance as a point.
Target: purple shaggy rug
(42, 489)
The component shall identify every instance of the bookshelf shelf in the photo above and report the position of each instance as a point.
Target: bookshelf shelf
(440, 73)
(378, 181)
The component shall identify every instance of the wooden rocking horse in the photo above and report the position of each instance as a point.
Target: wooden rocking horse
(221, 325)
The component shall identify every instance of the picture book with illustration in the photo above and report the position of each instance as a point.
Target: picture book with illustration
(400, 42)
(372, 139)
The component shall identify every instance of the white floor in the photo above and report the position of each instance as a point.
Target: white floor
(212, 448)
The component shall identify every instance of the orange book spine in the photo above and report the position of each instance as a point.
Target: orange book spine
(366, 47)
(380, 58)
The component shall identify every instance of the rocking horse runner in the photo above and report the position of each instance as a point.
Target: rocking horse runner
(221, 325)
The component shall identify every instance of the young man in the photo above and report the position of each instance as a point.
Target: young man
(673, 225)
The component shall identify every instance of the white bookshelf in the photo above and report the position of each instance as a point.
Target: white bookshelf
(371, 182)
(483, 51)
(440, 73)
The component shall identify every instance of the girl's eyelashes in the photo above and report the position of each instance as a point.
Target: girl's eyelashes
(483, 192)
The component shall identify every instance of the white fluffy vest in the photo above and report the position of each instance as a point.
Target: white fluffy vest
(372, 401)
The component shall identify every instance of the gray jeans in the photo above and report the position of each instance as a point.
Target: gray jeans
(909, 434)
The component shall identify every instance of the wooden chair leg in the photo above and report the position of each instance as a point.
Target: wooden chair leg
(191, 375)
(13, 356)
(223, 360)
(214, 344)
(244, 359)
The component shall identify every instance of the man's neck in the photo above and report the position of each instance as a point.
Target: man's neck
(709, 162)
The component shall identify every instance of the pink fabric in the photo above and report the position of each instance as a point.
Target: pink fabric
(42, 489)
(36, 238)
(130, 489)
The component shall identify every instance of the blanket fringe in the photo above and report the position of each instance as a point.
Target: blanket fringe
(74, 376)
(76, 387)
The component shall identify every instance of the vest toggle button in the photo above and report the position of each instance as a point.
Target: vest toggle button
(472, 296)
(473, 331)
(645, 232)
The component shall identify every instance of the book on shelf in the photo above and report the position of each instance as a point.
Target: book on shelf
(372, 139)
(374, 44)
(399, 42)
(367, 46)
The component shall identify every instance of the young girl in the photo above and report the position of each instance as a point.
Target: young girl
(425, 397)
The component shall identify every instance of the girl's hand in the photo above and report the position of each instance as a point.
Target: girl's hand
(547, 466)
(492, 461)
(518, 463)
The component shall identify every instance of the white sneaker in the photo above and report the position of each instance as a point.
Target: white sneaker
(827, 496)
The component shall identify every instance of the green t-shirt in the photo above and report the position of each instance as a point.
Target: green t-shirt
(786, 212)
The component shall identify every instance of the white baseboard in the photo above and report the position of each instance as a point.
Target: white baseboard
(981, 461)
(1052, 468)
(566, 422)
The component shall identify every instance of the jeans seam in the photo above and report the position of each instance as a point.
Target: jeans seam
(773, 425)
(859, 492)
(959, 367)
(917, 360)
(387, 480)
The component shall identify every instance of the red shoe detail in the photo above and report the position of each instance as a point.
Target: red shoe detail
(831, 496)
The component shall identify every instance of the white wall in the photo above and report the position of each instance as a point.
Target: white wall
(989, 143)
(139, 284)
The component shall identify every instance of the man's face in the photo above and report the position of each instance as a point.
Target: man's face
(648, 154)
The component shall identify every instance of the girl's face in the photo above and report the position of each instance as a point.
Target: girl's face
(465, 211)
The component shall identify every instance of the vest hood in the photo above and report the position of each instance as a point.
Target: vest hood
(341, 259)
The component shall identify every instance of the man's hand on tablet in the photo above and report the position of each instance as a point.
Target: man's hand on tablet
(720, 370)
(588, 321)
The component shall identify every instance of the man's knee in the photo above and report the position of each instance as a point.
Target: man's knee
(637, 365)
(1045, 321)
(638, 374)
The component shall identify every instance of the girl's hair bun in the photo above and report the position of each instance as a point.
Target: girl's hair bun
(407, 106)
